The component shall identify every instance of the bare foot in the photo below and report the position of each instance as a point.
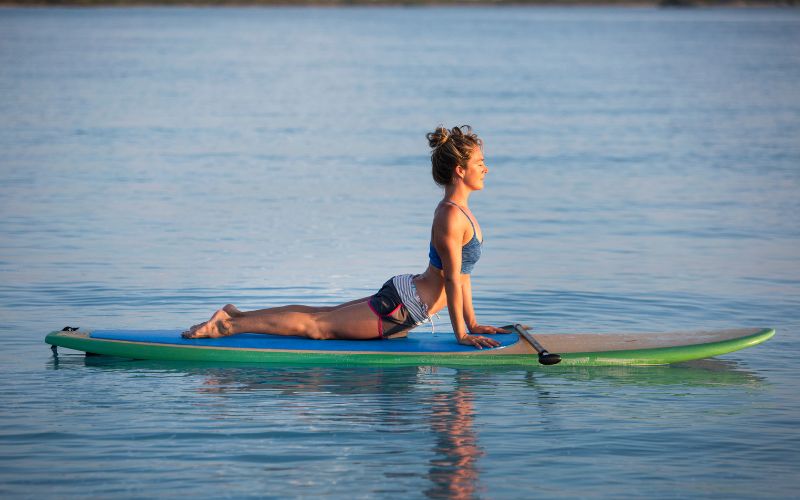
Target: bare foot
(218, 326)
(232, 310)
(195, 327)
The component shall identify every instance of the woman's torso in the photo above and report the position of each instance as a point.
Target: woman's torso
(430, 284)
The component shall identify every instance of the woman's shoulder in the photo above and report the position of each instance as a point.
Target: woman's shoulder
(445, 210)
(448, 216)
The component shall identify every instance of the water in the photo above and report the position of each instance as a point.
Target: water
(157, 163)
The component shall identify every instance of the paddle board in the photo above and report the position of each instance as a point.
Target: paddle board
(591, 349)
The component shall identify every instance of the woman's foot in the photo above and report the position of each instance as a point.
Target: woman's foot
(218, 326)
(232, 310)
(195, 327)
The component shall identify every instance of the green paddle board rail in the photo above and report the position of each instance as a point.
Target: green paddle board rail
(666, 355)
(166, 352)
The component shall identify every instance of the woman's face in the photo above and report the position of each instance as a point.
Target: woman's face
(476, 170)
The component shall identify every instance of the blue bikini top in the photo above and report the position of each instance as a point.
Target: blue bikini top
(470, 253)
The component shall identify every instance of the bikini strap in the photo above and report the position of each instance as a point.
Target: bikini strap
(474, 232)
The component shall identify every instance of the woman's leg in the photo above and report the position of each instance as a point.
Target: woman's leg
(353, 321)
(234, 312)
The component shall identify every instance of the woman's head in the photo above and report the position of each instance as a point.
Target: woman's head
(451, 148)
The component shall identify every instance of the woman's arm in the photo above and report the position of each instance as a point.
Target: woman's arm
(469, 312)
(466, 293)
(448, 236)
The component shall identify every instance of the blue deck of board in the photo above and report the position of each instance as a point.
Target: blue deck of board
(415, 342)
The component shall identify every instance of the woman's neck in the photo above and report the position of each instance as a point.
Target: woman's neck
(457, 194)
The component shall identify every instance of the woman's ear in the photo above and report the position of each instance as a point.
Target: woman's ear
(460, 171)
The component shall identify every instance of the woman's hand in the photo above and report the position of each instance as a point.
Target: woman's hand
(486, 330)
(478, 341)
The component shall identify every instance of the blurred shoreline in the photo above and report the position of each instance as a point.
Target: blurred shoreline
(400, 3)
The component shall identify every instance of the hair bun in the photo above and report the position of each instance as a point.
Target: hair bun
(438, 137)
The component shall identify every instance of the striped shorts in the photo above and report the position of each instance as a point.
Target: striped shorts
(398, 307)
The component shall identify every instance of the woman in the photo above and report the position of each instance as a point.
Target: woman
(405, 301)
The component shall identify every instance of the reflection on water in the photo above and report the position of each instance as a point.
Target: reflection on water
(290, 379)
(434, 407)
(453, 470)
(708, 372)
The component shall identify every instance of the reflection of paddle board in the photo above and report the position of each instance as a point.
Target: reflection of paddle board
(417, 348)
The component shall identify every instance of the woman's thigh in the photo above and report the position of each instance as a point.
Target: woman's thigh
(354, 321)
(346, 304)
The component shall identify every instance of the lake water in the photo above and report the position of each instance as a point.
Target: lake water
(158, 163)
